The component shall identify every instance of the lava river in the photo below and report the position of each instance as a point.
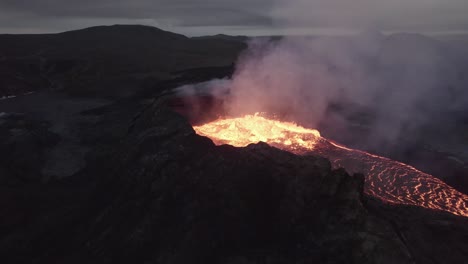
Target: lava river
(388, 180)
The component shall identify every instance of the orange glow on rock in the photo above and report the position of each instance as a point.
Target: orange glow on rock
(390, 181)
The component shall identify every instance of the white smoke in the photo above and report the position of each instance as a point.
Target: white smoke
(404, 81)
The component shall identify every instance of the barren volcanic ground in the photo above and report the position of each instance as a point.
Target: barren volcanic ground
(93, 176)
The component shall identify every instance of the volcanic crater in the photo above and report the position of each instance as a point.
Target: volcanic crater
(385, 179)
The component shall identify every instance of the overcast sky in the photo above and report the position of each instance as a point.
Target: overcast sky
(249, 17)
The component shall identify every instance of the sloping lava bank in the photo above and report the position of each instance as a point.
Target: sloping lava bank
(167, 195)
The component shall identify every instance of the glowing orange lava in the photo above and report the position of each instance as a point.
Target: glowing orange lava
(388, 180)
(249, 129)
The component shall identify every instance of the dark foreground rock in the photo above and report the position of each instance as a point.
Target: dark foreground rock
(23, 145)
(166, 195)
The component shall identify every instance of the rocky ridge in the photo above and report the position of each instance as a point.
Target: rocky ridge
(167, 195)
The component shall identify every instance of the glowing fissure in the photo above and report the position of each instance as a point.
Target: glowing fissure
(249, 129)
(388, 180)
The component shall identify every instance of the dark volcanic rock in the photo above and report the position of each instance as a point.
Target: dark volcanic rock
(174, 197)
(167, 195)
(111, 61)
(430, 236)
(23, 146)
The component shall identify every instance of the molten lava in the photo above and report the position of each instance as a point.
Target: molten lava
(387, 180)
(242, 131)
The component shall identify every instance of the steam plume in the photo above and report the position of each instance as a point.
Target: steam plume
(406, 81)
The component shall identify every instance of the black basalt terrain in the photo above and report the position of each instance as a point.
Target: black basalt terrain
(23, 146)
(183, 200)
(109, 61)
(167, 195)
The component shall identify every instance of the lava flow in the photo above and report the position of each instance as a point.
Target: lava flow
(388, 180)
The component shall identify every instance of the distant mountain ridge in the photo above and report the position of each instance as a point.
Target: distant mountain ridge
(225, 37)
(121, 60)
(112, 60)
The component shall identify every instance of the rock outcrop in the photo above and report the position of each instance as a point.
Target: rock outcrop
(167, 195)
(22, 148)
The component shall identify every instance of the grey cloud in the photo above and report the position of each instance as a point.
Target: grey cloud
(385, 14)
(62, 15)
(183, 10)
(279, 15)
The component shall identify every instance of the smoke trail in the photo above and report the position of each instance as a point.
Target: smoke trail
(402, 81)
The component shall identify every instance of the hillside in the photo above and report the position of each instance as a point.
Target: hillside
(109, 60)
(166, 195)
